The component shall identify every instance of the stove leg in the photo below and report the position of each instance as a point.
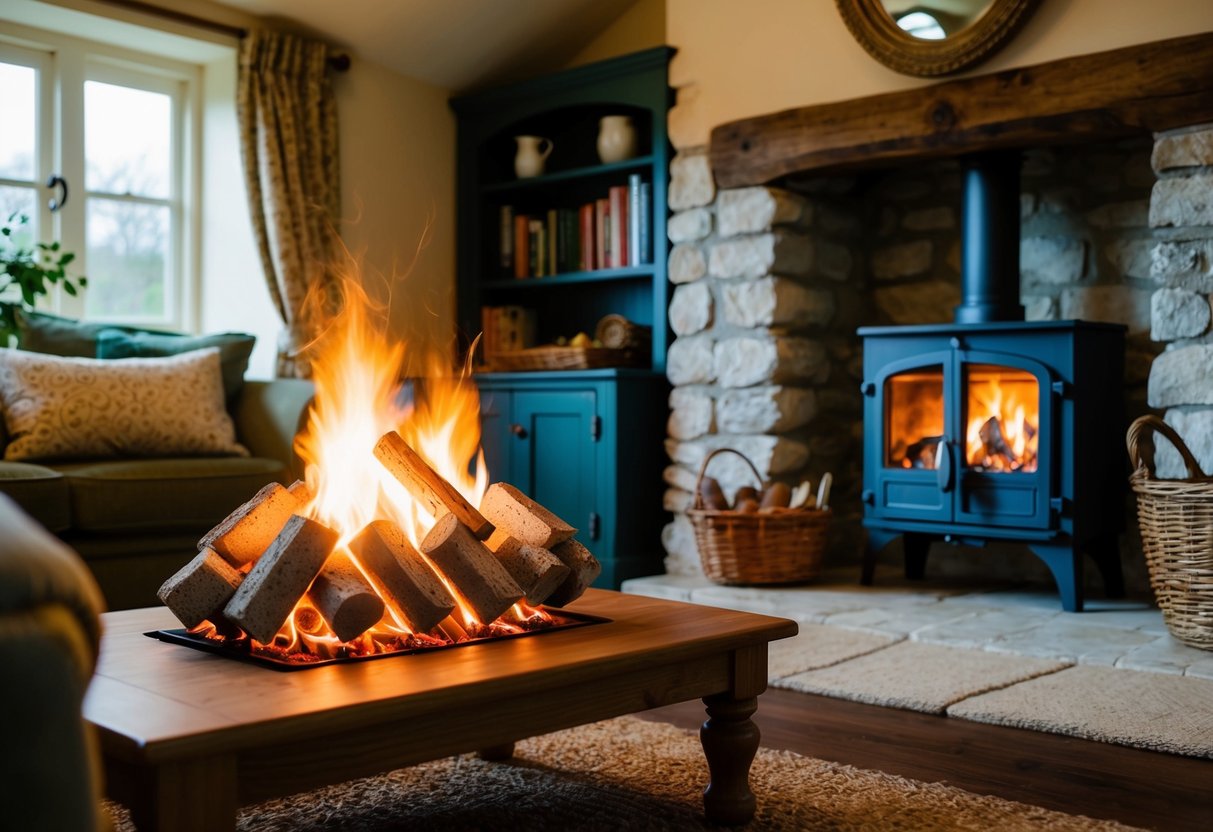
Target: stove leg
(873, 541)
(916, 546)
(1065, 562)
(730, 741)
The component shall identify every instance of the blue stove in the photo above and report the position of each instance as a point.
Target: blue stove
(993, 428)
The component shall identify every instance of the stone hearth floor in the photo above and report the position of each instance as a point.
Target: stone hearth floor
(1022, 619)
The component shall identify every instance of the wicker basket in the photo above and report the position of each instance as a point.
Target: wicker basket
(1176, 519)
(564, 358)
(740, 549)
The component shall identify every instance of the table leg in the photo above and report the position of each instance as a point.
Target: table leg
(730, 741)
(186, 795)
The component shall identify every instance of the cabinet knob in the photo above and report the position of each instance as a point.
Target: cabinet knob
(518, 430)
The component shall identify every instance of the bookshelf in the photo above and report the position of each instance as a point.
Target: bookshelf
(586, 443)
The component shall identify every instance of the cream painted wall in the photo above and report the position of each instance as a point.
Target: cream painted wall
(642, 26)
(745, 59)
(398, 195)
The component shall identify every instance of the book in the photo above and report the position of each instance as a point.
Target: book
(506, 243)
(586, 237)
(634, 256)
(617, 257)
(602, 226)
(522, 251)
(644, 212)
(552, 264)
(535, 235)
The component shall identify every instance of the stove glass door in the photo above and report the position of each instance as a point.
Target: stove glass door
(1006, 430)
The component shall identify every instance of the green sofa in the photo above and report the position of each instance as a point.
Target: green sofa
(136, 521)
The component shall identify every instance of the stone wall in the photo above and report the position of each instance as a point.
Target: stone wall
(764, 360)
(771, 284)
(1181, 266)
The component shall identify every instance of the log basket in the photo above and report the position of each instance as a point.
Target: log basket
(740, 549)
(1176, 521)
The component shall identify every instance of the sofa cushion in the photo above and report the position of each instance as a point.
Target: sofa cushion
(234, 350)
(40, 492)
(81, 408)
(55, 335)
(148, 494)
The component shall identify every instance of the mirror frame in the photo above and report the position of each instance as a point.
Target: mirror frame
(885, 41)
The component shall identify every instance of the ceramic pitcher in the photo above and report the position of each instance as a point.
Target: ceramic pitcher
(533, 151)
(616, 138)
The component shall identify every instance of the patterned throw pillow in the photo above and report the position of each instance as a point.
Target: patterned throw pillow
(80, 408)
(234, 350)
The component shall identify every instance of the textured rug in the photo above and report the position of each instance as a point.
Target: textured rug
(631, 774)
(919, 677)
(818, 645)
(1156, 711)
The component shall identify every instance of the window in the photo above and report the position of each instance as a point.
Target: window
(115, 126)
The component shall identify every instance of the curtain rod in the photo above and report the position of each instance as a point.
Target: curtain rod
(340, 62)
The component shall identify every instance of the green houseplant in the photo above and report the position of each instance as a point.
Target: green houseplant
(30, 269)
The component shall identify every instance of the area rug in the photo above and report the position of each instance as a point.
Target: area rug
(919, 677)
(631, 774)
(1155, 711)
(819, 645)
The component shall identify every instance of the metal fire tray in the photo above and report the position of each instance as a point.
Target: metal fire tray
(241, 652)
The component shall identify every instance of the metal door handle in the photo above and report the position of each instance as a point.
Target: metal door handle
(944, 474)
(518, 430)
(57, 181)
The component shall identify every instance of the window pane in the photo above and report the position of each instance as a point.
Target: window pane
(128, 252)
(13, 203)
(127, 140)
(19, 115)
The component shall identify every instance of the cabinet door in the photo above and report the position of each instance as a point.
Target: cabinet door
(555, 455)
(496, 437)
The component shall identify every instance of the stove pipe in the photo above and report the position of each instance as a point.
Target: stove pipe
(989, 239)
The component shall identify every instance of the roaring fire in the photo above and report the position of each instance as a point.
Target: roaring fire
(359, 396)
(1003, 419)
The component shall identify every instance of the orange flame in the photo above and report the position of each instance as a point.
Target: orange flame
(1004, 419)
(358, 371)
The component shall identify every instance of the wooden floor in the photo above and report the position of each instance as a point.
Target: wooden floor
(1100, 780)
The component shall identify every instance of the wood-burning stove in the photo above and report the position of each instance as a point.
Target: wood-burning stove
(993, 428)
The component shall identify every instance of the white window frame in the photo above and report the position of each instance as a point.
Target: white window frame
(66, 62)
(44, 146)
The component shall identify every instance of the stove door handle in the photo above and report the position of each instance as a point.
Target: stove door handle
(944, 473)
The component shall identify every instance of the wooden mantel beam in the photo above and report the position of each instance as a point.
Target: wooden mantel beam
(1107, 95)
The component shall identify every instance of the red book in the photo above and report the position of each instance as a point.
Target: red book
(586, 237)
(602, 231)
(522, 246)
(618, 257)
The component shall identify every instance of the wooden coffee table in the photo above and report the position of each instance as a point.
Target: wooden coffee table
(188, 737)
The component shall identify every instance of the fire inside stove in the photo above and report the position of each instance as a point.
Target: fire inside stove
(1001, 419)
(394, 542)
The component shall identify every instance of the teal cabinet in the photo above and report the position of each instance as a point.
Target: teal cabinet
(588, 444)
(583, 445)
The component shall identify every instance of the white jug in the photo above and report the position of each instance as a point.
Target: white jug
(616, 139)
(533, 151)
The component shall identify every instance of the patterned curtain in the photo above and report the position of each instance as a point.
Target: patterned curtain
(288, 139)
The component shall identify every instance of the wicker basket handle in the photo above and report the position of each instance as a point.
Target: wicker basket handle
(698, 505)
(1140, 441)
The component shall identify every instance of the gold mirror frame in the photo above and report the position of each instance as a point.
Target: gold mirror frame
(885, 41)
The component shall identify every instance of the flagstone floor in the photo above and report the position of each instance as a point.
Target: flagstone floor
(1001, 617)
